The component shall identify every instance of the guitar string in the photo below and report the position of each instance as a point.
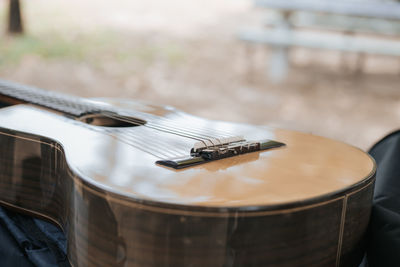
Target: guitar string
(164, 129)
(61, 99)
(157, 138)
(174, 130)
(139, 142)
(152, 139)
(226, 133)
(182, 130)
(199, 133)
(139, 145)
(38, 94)
(134, 135)
(180, 114)
(172, 122)
(171, 131)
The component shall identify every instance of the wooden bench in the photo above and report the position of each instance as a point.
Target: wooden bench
(341, 20)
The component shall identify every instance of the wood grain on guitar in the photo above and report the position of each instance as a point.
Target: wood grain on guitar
(303, 204)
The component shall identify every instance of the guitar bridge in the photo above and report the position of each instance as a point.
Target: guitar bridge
(205, 153)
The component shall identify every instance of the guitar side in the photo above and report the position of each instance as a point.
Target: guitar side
(42, 176)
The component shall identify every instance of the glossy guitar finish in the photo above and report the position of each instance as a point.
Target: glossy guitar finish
(305, 204)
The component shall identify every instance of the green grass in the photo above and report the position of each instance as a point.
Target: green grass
(92, 48)
(52, 36)
(14, 48)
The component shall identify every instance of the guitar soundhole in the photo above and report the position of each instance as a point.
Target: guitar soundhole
(107, 121)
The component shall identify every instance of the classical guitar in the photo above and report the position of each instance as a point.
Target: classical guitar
(134, 184)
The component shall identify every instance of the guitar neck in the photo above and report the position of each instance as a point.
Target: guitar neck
(69, 105)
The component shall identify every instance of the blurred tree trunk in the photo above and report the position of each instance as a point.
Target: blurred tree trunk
(14, 18)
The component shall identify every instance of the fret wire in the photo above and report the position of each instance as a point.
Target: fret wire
(76, 106)
(47, 98)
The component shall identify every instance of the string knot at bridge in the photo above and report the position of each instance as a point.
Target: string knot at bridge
(216, 142)
(203, 153)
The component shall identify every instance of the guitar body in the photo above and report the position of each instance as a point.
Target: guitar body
(304, 204)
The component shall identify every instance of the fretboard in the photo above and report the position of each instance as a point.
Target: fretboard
(70, 105)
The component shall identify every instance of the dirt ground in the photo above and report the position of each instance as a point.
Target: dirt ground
(186, 54)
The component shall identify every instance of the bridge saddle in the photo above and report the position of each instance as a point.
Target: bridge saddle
(216, 149)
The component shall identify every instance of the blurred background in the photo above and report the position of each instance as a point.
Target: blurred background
(310, 67)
